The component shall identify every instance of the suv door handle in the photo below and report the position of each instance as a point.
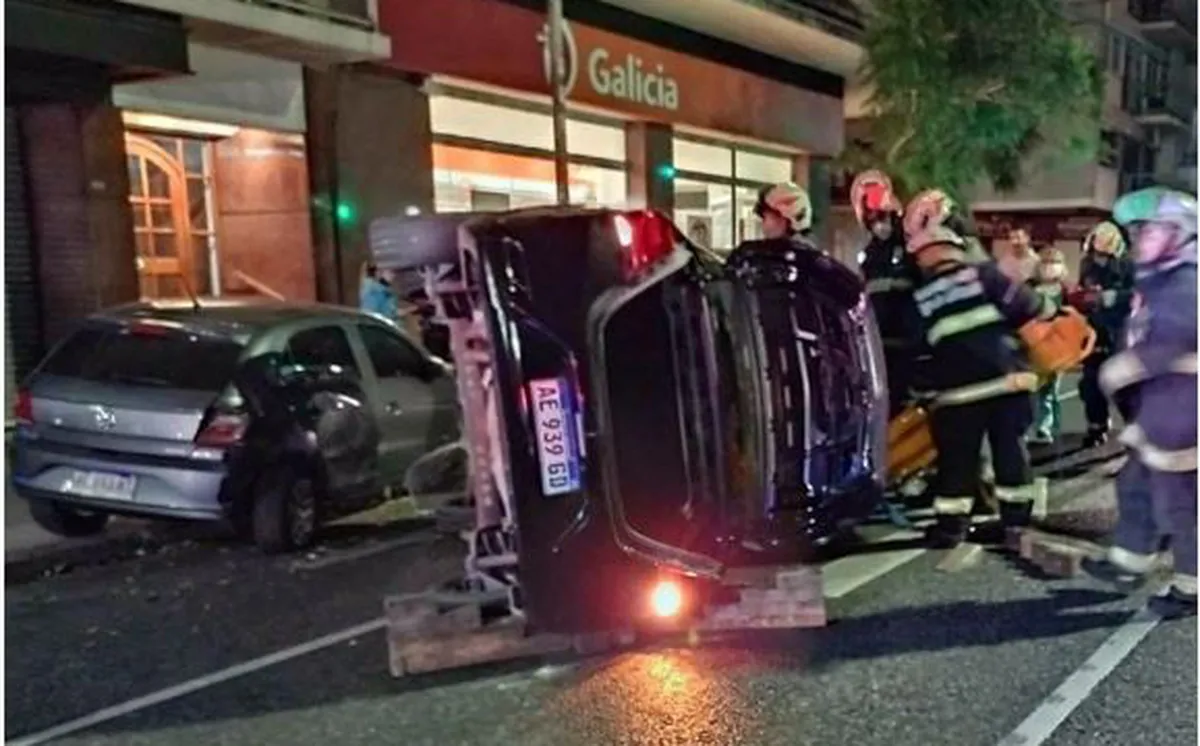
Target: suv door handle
(393, 408)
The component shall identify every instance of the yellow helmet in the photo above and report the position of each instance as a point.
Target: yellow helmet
(1105, 238)
(787, 200)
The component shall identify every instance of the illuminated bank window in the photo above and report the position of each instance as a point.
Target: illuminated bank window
(704, 212)
(763, 168)
(506, 125)
(475, 180)
(702, 158)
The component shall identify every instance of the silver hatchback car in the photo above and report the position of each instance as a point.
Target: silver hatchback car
(135, 412)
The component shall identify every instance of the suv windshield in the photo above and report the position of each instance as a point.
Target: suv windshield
(168, 359)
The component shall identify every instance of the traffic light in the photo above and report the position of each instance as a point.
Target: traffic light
(666, 172)
(344, 212)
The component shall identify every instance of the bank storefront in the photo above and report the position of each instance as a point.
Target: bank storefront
(648, 125)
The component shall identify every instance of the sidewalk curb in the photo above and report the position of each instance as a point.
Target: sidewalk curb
(30, 563)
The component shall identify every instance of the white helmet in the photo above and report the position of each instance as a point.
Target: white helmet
(787, 200)
(929, 219)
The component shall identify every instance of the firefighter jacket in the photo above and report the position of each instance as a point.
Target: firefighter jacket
(970, 315)
(1110, 286)
(1158, 370)
(891, 276)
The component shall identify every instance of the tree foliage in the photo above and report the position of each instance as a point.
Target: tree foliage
(966, 90)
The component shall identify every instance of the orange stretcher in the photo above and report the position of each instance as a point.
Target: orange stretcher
(1054, 346)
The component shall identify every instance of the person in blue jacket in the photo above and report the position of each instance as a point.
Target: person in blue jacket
(375, 293)
(1155, 374)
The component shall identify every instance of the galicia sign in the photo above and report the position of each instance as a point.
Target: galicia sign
(626, 79)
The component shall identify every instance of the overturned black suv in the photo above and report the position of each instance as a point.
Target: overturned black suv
(660, 410)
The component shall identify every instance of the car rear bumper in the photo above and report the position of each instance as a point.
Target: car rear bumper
(162, 487)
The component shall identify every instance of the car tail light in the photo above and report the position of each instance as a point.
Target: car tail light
(666, 599)
(645, 238)
(222, 429)
(23, 409)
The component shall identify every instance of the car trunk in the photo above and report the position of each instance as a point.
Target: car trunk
(140, 382)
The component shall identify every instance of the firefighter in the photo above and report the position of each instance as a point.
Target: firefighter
(1156, 490)
(786, 212)
(1106, 278)
(983, 384)
(1049, 281)
(890, 275)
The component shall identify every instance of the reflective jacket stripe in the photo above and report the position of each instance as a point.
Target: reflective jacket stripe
(953, 505)
(888, 285)
(1161, 459)
(988, 389)
(965, 321)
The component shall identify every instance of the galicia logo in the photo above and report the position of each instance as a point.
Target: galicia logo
(628, 79)
(570, 57)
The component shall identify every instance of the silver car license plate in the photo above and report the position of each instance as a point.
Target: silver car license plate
(101, 485)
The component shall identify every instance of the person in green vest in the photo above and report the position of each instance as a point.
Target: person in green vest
(1049, 280)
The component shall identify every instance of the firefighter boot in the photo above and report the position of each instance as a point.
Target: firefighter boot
(948, 531)
(1097, 435)
(1124, 570)
(1178, 601)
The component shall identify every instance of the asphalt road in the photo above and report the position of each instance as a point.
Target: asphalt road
(913, 656)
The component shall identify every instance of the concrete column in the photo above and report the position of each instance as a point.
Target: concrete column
(81, 221)
(820, 190)
(370, 149)
(650, 155)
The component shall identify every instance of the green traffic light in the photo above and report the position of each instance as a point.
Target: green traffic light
(344, 212)
(666, 171)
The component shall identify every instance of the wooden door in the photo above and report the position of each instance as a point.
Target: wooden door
(161, 223)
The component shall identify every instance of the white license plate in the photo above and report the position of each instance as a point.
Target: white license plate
(557, 432)
(101, 485)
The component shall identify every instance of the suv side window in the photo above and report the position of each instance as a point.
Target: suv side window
(391, 355)
(325, 345)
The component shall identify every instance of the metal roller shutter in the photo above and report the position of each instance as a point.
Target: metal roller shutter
(22, 313)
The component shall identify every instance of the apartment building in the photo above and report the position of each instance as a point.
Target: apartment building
(1148, 50)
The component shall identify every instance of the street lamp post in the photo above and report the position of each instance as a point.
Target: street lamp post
(558, 95)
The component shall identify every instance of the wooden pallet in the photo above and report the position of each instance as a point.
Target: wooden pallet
(438, 630)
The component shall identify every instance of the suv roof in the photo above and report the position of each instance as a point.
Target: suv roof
(240, 318)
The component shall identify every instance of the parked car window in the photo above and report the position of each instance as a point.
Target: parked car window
(391, 355)
(156, 357)
(325, 345)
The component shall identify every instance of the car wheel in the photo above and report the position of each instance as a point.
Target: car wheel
(64, 521)
(285, 513)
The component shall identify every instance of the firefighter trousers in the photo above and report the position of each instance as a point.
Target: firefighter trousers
(1156, 510)
(900, 365)
(959, 432)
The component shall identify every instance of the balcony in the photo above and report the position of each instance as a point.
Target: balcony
(1167, 110)
(312, 32)
(1168, 23)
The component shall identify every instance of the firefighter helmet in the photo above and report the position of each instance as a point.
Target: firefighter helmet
(1105, 238)
(872, 193)
(932, 218)
(788, 201)
(1165, 223)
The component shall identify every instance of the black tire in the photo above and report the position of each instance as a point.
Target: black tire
(285, 512)
(65, 521)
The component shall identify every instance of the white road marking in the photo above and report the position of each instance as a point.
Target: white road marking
(194, 685)
(1068, 395)
(847, 574)
(1058, 706)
